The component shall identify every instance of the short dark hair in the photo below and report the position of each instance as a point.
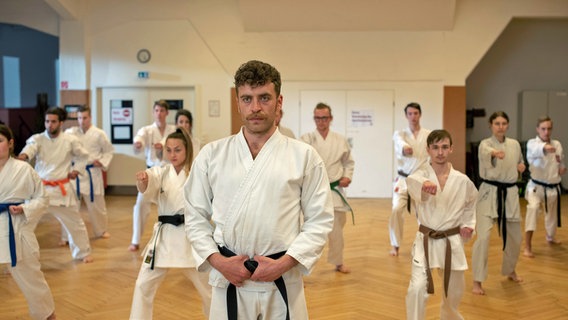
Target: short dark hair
(61, 113)
(438, 135)
(7, 132)
(321, 106)
(185, 113)
(413, 105)
(257, 73)
(497, 114)
(84, 108)
(162, 103)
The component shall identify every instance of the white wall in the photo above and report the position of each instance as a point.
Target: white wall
(428, 94)
(179, 58)
(531, 54)
(30, 13)
(201, 43)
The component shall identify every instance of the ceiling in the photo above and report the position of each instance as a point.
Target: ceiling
(346, 15)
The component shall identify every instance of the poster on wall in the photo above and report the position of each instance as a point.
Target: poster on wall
(362, 118)
(121, 120)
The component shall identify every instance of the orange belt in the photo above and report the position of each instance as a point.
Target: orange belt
(61, 183)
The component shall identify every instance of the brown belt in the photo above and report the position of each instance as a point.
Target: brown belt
(429, 233)
(61, 183)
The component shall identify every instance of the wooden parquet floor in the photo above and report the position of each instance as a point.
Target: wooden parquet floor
(375, 289)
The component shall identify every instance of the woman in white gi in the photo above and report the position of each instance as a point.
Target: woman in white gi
(22, 201)
(169, 246)
(545, 157)
(500, 162)
(445, 204)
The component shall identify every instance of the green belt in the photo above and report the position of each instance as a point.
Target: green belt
(333, 186)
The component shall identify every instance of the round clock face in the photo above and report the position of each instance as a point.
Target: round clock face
(143, 55)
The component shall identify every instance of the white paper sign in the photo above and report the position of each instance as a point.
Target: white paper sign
(121, 116)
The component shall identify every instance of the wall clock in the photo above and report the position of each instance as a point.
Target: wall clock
(143, 55)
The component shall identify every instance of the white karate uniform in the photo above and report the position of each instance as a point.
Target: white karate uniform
(148, 136)
(287, 132)
(278, 201)
(502, 170)
(406, 164)
(336, 154)
(169, 245)
(53, 158)
(454, 206)
(19, 183)
(543, 168)
(96, 142)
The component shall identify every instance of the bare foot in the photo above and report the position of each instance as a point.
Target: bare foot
(105, 235)
(514, 277)
(133, 247)
(88, 259)
(63, 243)
(477, 289)
(551, 240)
(394, 252)
(342, 268)
(528, 253)
(52, 316)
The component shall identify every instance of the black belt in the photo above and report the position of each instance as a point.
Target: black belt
(251, 265)
(558, 193)
(430, 233)
(404, 174)
(176, 220)
(501, 206)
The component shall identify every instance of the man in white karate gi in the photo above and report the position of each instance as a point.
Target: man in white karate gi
(149, 139)
(91, 186)
(259, 208)
(336, 154)
(53, 152)
(545, 157)
(410, 152)
(445, 200)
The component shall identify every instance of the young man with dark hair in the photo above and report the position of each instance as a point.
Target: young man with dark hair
(410, 152)
(53, 152)
(91, 187)
(445, 202)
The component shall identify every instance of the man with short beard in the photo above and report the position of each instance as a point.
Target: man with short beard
(53, 152)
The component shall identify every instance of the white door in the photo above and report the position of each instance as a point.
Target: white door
(365, 117)
(126, 163)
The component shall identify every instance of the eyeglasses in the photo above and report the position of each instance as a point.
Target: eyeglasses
(322, 118)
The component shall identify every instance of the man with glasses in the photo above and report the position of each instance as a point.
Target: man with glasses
(336, 154)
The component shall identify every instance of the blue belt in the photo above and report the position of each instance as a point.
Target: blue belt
(88, 167)
(12, 238)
